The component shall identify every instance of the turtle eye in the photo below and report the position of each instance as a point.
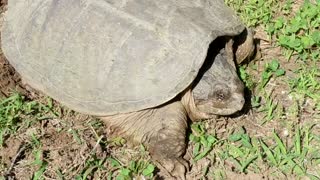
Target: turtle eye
(221, 95)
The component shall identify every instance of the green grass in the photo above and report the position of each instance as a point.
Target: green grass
(91, 165)
(289, 147)
(39, 161)
(271, 69)
(18, 115)
(203, 142)
(306, 84)
(254, 12)
(132, 170)
(252, 154)
(16, 112)
(297, 33)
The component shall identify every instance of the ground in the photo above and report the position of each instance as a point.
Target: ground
(276, 135)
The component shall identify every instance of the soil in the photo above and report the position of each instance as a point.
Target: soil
(10, 80)
(67, 141)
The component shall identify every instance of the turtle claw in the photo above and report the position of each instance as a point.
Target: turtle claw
(174, 168)
(167, 154)
(180, 167)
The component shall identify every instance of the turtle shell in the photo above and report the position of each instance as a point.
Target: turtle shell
(104, 57)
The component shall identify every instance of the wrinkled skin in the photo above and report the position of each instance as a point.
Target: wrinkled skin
(217, 90)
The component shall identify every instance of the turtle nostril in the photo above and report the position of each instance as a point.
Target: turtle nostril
(240, 104)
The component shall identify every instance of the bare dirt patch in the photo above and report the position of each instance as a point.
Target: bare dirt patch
(10, 80)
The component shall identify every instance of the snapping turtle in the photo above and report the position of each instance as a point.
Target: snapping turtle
(142, 66)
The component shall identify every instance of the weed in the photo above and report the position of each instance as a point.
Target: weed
(40, 163)
(247, 152)
(307, 83)
(271, 69)
(91, 165)
(253, 12)
(241, 154)
(16, 111)
(246, 78)
(219, 173)
(255, 101)
(289, 160)
(134, 169)
(203, 143)
(300, 33)
(75, 135)
(269, 107)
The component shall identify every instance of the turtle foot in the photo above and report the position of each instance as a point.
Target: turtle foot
(168, 145)
(167, 154)
(173, 168)
(162, 130)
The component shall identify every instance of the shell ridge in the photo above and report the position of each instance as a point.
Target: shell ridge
(127, 16)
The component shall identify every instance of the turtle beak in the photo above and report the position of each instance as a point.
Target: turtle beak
(238, 106)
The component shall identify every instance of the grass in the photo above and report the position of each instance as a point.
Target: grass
(203, 143)
(285, 104)
(134, 169)
(247, 153)
(22, 118)
(39, 161)
(16, 113)
(253, 12)
(297, 34)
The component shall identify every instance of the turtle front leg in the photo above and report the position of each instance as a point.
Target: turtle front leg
(168, 144)
(162, 130)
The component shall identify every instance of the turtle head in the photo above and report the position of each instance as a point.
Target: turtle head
(217, 89)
